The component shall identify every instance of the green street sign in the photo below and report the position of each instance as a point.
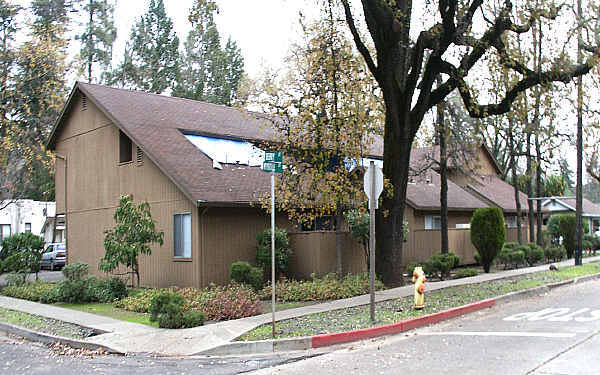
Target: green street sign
(269, 166)
(275, 156)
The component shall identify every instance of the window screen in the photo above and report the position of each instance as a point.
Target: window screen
(182, 235)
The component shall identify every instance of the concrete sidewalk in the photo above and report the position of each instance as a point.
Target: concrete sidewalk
(137, 338)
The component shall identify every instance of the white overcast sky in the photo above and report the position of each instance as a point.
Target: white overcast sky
(262, 28)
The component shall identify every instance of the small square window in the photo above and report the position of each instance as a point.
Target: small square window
(433, 222)
(28, 227)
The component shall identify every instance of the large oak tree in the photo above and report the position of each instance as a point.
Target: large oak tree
(406, 62)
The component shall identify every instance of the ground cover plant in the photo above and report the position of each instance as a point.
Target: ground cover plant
(329, 287)
(400, 309)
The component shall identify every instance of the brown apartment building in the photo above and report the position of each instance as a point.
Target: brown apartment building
(109, 142)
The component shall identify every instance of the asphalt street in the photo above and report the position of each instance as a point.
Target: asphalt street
(552, 334)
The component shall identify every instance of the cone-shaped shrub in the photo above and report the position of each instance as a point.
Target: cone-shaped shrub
(488, 234)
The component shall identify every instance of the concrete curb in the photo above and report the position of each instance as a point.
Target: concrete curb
(46, 338)
(319, 341)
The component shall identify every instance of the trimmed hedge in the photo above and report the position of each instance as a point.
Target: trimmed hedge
(488, 233)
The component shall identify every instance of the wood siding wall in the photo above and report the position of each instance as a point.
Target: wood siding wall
(96, 180)
(314, 252)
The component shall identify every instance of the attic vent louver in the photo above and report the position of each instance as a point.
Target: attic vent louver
(139, 157)
(83, 102)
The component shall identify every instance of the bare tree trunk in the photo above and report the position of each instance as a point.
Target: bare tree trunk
(579, 188)
(539, 187)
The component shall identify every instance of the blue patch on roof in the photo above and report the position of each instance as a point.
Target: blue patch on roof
(228, 151)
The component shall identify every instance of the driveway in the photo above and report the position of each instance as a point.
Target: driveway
(50, 276)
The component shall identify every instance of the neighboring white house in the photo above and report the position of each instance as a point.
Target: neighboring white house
(591, 211)
(26, 215)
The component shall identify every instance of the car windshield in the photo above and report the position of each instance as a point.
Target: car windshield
(61, 247)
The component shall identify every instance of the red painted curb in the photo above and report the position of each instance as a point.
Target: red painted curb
(403, 326)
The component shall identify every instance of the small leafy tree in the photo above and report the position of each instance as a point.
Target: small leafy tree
(564, 225)
(21, 254)
(282, 252)
(132, 235)
(488, 234)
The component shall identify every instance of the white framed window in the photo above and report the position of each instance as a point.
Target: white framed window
(182, 235)
(433, 222)
(4, 231)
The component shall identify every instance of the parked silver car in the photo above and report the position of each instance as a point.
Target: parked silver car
(54, 256)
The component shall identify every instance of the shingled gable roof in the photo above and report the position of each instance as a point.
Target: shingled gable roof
(428, 157)
(157, 125)
(498, 192)
(424, 194)
(589, 208)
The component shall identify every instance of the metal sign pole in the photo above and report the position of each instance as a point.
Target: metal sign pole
(372, 202)
(273, 248)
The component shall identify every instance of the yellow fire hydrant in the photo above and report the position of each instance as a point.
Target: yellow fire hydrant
(419, 280)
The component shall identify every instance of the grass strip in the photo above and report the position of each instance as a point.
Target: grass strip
(396, 310)
(108, 310)
(44, 325)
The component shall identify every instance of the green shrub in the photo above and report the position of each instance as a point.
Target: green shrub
(533, 253)
(488, 233)
(439, 265)
(410, 267)
(555, 253)
(504, 257)
(167, 308)
(517, 257)
(76, 271)
(90, 289)
(329, 287)
(477, 258)
(244, 273)
(465, 272)
(21, 253)
(565, 225)
(282, 252)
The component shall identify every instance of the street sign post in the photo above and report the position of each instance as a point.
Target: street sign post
(273, 163)
(373, 186)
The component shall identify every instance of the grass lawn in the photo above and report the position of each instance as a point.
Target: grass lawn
(44, 325)
(396, 310)
(107, 309)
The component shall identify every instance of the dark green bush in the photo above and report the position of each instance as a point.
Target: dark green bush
(477, 258)
(504, 257)
(555, 253)
(517, 257)
(465, 272)
(76, 271)
(244, 273)
(167, 308)
(440, 265)
(565, 225)
(488, 233)
(90, 289)
(282, 252)
(410, 267)
(21, 253)
(533, 253)
(16, 279)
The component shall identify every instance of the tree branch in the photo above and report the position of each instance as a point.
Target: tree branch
(362, 48)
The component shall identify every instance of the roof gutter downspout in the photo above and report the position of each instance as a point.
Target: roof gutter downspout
(63, 158)
(202, 242)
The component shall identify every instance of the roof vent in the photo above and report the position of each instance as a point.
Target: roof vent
(83, 102)
(139, 155)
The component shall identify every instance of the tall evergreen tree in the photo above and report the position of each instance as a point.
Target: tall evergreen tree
(208, 71)
(151, 59)
(98, 37)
